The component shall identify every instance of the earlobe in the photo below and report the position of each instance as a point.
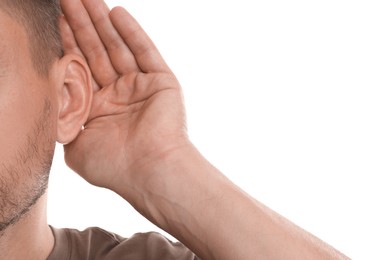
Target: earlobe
(74, 97)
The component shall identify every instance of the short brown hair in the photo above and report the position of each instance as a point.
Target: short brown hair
(40, 19)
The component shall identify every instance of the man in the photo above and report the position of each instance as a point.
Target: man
(111, 99)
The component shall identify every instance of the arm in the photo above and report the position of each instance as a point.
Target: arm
(135, 143)
(193, 201)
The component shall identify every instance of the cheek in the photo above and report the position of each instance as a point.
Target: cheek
(26, 119)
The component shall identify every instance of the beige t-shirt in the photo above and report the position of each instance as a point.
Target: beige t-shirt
(96, 243)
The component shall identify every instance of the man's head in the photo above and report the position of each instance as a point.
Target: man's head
(44, 96)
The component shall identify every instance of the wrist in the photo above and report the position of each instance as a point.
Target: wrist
(181, 195)
(174, 188)
(152, 169)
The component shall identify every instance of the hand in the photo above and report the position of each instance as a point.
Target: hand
(137, 112)
(137, 119)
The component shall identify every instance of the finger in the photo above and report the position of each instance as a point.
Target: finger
(70, 45)
(68, 40)
(121, 57)
(145, 52)
(89, 42)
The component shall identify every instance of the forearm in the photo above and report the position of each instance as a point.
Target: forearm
(186, 196)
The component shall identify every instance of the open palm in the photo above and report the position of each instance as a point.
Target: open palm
(137, 111)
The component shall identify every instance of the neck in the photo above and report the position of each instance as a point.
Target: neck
(30, 237)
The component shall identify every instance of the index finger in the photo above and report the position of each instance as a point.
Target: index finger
(89, 42)
(70, 44)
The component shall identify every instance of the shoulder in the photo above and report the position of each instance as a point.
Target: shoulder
(96, 243)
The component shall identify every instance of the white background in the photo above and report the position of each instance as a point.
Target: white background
(290, 99)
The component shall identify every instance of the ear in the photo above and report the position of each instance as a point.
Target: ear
(74, 97)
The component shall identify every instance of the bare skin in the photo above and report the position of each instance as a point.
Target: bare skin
(135, 143)
(24, 233)
(35, 112)
(30, 238)
(113, 81)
